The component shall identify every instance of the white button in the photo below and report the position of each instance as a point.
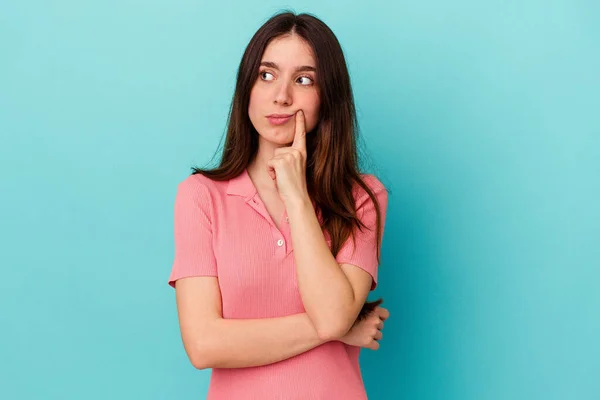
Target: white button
(280, 242)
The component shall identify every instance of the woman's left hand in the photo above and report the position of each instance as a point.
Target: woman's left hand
(288, 166)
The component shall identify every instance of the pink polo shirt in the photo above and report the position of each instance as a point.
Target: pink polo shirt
(223, 229)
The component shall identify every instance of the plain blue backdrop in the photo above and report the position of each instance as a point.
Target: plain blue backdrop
(480, 116)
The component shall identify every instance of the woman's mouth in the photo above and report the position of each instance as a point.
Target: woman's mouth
(279, 120)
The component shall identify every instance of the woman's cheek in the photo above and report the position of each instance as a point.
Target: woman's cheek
(314, 119)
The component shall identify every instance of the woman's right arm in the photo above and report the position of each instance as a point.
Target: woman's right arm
(212, 341)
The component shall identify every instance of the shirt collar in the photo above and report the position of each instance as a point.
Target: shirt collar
(242, 185)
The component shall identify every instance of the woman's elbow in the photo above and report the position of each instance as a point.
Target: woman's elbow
(332, 332)
(200, 357)
(200, 364)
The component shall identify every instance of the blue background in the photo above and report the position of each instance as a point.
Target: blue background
(480, 117)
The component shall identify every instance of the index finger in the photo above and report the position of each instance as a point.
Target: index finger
(300, 132)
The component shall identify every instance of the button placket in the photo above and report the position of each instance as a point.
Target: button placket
(280, 242)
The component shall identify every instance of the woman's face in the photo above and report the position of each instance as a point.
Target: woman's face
(285, 84)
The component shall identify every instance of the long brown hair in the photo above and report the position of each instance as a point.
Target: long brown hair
(332, 160)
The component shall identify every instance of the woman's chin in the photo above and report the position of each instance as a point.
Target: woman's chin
(279, 136)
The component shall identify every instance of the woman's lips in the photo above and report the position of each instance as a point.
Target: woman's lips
(279, 120)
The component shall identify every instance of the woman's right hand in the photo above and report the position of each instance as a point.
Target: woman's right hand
(366, 332)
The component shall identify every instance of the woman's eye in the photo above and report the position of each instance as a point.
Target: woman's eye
(263, 73)
(309, 79)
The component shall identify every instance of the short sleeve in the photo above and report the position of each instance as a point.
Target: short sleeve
(363, 254)
(194, 254)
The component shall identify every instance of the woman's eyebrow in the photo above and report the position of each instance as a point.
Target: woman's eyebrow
(271, 64)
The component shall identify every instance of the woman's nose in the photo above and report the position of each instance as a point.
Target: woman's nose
(283, 94)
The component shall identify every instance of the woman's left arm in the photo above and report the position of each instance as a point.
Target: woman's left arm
(333, 294)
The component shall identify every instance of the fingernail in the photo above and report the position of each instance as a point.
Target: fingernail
(300, 113)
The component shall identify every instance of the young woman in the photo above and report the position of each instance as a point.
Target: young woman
(277, 248)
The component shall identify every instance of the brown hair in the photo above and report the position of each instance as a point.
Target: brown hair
(332, 159)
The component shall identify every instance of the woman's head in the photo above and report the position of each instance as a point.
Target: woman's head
(291, 41)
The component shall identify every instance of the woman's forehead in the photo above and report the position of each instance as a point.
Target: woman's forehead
(289, 52)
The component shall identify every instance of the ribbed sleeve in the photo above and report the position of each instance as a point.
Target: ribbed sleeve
(363, 254)
(194, 254)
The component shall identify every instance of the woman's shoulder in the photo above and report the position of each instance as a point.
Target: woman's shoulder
(372, 181)
(198, 182)
(378, 189)
(200, 189)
